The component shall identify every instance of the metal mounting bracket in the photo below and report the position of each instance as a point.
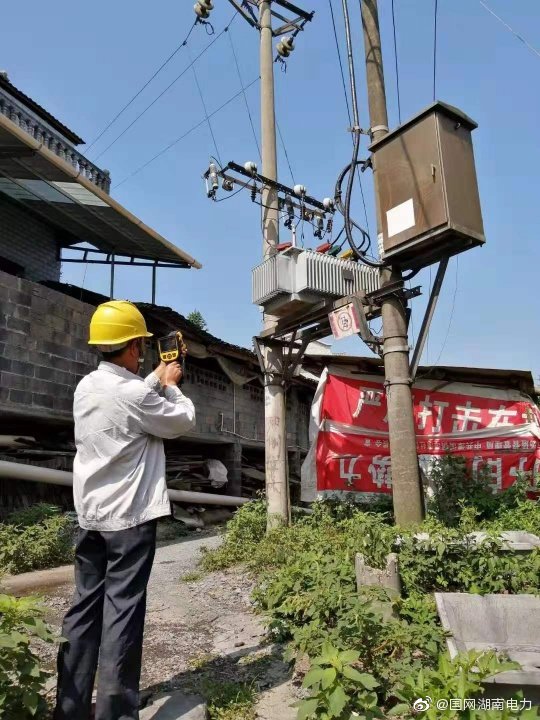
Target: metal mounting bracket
(428, 316)
(359, 130)
(295, 348)
(295, 23)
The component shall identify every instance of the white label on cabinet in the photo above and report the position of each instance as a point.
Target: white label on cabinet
(400, 218)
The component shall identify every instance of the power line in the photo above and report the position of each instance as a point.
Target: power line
(244, 93)
(427, 336)
(412, 321)
(451, 311)
(396, 59)
(345, 207)
(146, 84)
(346, 96)
(519, 37)
(285, 151)
(188, 132)
(435, 50)
(340, 62)
(184, 71)
(251, 117)
(206, 113)
(350, 62)
(433, 365)
(231, 195)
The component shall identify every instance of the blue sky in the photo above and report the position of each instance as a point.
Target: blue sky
(84, 61)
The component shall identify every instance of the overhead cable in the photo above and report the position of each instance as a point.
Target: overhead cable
(244, 93)
(397, 64)
(451, 311)
(285, 152)
(161, 94)
(206, 112)
(434, 365)
(146, 84)
(345, 209)
(188, 132)
(435, 50)
(340, 62)
(519, 37)
(346, 96)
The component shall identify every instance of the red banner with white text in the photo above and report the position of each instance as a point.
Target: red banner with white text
(496, 430)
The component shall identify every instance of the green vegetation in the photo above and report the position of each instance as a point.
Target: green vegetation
(229, 700)
(21, 680)
(192, 577)
(338, 688)
(455, 487)
(169, 529)
(201, 661)
(459, 678)
(368, 653)
(34, 539)
(33, 515)
(197, 319)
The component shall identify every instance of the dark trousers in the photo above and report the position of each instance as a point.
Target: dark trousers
(106, 619)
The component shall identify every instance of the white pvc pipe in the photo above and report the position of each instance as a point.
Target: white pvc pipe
(12, 441)
(34, 473)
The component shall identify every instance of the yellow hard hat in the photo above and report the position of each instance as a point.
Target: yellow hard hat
(116, 322)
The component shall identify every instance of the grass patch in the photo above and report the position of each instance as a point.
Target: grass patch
(230, 700)
(201, 661)
(192, 577)
(169, 529)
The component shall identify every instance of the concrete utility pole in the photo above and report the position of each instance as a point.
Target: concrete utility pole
(277, 482)
(406, 484)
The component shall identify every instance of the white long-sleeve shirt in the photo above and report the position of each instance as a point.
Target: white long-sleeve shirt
(119, 468)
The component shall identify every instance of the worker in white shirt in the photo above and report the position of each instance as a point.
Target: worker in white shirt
(119, 491)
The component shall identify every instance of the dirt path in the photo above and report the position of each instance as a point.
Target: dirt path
(198, 630)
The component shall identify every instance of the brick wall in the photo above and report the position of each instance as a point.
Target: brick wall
(43, 355)
(213, 394)
(27, 241)
(43, 350)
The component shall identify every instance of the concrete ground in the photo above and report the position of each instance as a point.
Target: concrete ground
(199, 631)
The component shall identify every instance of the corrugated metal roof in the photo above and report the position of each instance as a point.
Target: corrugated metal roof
(519, 379)
(39, 111)
(51, 188)
(166, 319)
(161, 320)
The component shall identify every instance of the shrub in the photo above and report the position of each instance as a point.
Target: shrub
(244, 532)
(458, 679)
(455, 487)
(338, 688)
(21, 679)
(33, 515)
(524, 516)
(450, 561)
(47, 543)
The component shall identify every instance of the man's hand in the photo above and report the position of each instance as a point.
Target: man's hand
(172, 375)
(160, 372)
